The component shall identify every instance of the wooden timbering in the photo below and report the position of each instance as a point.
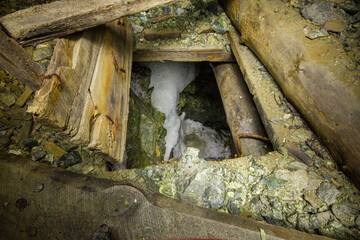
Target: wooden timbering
(285, 127)
(43, 22)
(20, 64)
(86, 92)
(241, 114)
(317, 76)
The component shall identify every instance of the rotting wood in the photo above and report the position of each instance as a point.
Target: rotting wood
(17, 62)
(43, 22)
(313, 74)
(86, 92)
(283, 124)
(241, 113)
(58, 204)
(183, 55)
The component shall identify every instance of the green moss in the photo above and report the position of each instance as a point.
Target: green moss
(145, 143)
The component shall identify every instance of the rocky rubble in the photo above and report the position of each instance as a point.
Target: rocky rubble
(274, 188)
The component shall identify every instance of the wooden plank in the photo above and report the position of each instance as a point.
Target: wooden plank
(58, 204)
(87, 92)
(241, 113)
(284, 125)
(313, 74)
(43, 22)
(189, 55)
(20, 64)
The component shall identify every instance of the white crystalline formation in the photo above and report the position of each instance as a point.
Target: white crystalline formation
(169, 79)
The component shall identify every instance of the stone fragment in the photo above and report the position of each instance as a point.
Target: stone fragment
(8, 99)
(37, 153)
(334, 25)
(215, 194)
(345, 212)
(319, 12)
(328, 193)
(23, 97)
(297, 165)
(313, 33)
(69, 159)
(55, 149)
(293, 219)
(137, 28)
(30, 143)
(303, 221)
(42, 51)
(310, 197)
(334, 229)
(318, 220)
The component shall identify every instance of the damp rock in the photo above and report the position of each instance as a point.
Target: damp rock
(334, 25)
(346, 212)
(219, 26)
(310, 197)
(313, 33)
(215, 194)
(145, 144)
(334, 229)
(319, 219)
(69, 159)
(328, 193)
(30, 143)
(42, 51)
(195, 191)
(8, 99)
(37, 153)
(320, 12)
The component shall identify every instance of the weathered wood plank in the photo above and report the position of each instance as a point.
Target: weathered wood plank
(284, 125)
(313, 74)
(58, 204)
(241, 113)
(87, 92)
(60, 18)
(180, 55)
(17, 62)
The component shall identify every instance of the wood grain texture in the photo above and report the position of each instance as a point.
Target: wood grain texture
(20, 64)
(86, 93)
(285, 127)
(60, 18)
(313, 74)
(241, 113)
(179, 55)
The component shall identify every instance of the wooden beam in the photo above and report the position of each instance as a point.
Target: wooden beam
(183, 55)
(20, 64)
(43, 22)
(58, 204)
(87, 90)
(285, 127)
(241, 113)
(313, 74)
